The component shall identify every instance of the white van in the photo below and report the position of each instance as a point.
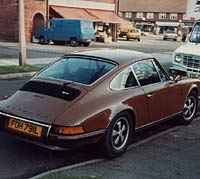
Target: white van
(187, 57)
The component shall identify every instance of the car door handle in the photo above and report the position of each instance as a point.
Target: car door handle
(149, 95)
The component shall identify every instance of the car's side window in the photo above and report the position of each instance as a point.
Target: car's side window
(124, 80)
(146, 72)
(161, 72)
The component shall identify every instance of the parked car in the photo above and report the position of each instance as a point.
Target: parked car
(187, 56)
(62, 31)
(170, 35)
(134, 34)
(101, 95)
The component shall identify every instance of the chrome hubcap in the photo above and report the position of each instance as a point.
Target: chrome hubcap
(189, 108)
(120, 133)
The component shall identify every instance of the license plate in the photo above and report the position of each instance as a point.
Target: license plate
(25, 127)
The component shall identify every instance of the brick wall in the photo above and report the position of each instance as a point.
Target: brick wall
(33, 7)
(8, 19)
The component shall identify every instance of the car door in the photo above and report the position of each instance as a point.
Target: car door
(155, 88)
(171, 91)
(127, 88)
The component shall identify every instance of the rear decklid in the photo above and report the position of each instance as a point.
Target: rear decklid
(42, 101)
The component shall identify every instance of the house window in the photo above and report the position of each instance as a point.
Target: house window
(162, 15)
(128, 15)
(120, 14)
(150, 15)
(139, 15)
(173, 16)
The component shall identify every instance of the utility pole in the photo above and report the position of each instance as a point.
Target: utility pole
(47, 12)
(22, 40)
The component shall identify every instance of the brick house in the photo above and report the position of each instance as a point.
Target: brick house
(37, 11)
(155, 15)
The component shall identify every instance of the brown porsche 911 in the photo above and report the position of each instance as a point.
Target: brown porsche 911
(97, 95)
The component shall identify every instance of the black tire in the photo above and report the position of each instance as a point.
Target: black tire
(138, 40)
(189, 108)
(86, 44)
(74, 42)
(42, 40)
(118, 135)
(127, 38)
(164, 38)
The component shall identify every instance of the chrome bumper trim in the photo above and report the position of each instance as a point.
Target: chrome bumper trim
(81, 136)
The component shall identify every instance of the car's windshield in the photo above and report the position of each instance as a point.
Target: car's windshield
(195, 35)
(80, 70)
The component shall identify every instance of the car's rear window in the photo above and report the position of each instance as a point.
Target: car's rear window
(75, 69)
(134, 30)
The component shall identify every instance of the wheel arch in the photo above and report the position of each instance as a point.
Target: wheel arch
(73, 38)
(130, 111)
(194, 88)
(42, 35)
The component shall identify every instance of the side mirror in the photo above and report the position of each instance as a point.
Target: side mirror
(177, 73)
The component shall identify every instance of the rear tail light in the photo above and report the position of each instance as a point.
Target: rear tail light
(68, 130)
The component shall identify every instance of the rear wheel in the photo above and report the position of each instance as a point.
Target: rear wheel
(138, 40)
(42, 40)
(189, 108)
(118, 135)
(74, 42)
(127, 38)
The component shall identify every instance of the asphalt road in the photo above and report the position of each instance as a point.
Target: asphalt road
(148, 44)
(21, 160)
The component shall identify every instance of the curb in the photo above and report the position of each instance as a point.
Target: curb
(17, 75)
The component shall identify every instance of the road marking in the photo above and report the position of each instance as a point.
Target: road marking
(81, 164)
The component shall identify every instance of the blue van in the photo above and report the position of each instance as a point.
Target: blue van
(61, 31)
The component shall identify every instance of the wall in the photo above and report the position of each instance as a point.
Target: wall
(32, 7)
(193, 9)
(9, 19)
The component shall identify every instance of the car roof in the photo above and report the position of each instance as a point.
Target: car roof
(119, 56)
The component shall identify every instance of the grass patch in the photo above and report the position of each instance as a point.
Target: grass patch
(62, 175)
(18, 69)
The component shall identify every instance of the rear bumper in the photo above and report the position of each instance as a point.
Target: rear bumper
(50, 140)
(133, 37)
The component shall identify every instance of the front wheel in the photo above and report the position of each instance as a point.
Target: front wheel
(189, 108)
(74, 42)
(118, 135)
